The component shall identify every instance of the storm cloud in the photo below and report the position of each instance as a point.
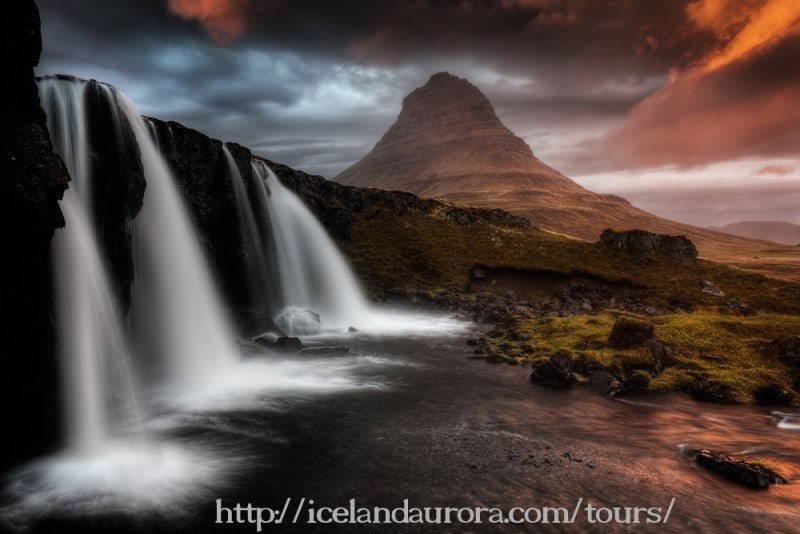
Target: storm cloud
(611, 93)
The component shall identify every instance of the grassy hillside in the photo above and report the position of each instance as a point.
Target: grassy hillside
(423, 252)
(548, 294)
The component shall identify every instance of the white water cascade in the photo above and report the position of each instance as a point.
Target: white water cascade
(176, 306)
(253, 244)
(313, 274)
(99, 387)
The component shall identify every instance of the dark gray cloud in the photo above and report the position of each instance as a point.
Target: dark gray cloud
(314, 83)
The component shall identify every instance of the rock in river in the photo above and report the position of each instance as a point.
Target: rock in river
(750, 474)
(555, 372)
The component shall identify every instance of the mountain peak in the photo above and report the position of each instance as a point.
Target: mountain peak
(447, 129)
(447, 99)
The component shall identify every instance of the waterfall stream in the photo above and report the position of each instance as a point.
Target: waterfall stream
(101, 399)
(313, 275)
(176, 305)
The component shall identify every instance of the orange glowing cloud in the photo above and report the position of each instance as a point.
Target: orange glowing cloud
(223, 20)
(740, 97)
(743, 25)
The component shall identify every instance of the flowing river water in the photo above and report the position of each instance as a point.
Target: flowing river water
(415, 418)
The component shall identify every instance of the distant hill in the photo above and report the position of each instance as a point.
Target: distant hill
(448, 142)
(776, 231)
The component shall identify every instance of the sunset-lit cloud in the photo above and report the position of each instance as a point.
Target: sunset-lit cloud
(620, 94)
(743, 25)
(224, 20)
(740, 98)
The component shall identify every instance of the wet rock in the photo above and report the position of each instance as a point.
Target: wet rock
(299, 322)
(678, 248)
(555, 372)
(774, 394)
(472, 342)
(283, 344)
(605, 383)
(630, 332)
(288, 344)
(750, 474)
(704, 389)
(637, 380)
(325, 350)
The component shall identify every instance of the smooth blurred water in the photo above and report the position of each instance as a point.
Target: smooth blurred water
(98, 385)
(413, 417)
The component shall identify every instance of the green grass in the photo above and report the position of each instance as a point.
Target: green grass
(726, 350)
(428, 253)
(425, 253)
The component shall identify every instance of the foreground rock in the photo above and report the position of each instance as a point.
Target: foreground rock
(678, 248)
(555, 372)
(326, 350)
(32, 180)
(630, 332)
(750, 474)
(282, 344)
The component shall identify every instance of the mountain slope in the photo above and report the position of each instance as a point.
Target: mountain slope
(448, 142)
(777, 231)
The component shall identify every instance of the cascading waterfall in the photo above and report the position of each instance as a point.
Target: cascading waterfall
(99, 387)
(176, 306)
(253, 244)
(314, 275)
(176, 311)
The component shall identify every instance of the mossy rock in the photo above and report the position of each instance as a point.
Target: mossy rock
(629, 332)
(637, 380)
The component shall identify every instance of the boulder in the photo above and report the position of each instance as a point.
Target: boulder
(288, 344)
(662, 353)
(630, 332)
(299, 322)
(677, 248)
(750, 474)
(605, 383)
(637, 380)
(555, 372)
(774, 394)
(710, 390)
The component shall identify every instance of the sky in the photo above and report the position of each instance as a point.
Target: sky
(688, 108)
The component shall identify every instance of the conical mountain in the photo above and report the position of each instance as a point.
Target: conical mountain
(448, 142)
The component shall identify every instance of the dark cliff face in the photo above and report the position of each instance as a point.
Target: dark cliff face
(334, 203)
(202, 174)
(32, 180)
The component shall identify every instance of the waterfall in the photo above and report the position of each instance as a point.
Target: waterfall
(253, 245)
(313, 275)
(176, 306)
(176, 314)
(99, 386)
